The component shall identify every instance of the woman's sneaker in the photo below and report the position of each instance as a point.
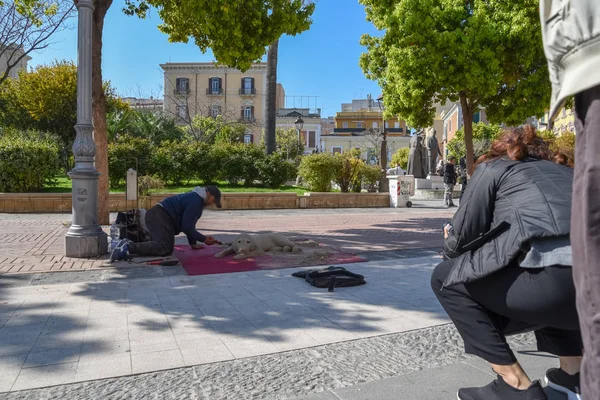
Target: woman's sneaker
(121, 251)
(559, 380)
(500, 390)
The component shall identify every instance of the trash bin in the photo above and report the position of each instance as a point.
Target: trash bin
(401, 188)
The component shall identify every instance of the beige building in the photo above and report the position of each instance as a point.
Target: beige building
(208, 89)
(310, 134)
(8, 56)
(563, 122)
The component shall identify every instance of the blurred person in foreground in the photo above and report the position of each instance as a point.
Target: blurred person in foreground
(508, 267)
(571, 33)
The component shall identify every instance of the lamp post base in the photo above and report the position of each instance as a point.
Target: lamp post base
(86, 246)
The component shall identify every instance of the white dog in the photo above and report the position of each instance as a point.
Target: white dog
(245, 246)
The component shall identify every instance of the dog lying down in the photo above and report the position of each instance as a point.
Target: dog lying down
(245, 246)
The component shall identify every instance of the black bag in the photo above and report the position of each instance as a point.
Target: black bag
(130, 226)
(331, 277)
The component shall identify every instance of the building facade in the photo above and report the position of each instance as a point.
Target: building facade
(310, 134)
(8, 56)
(563, 122)
(149, 104)
(452, 119)
(361, 130)
(208, 89)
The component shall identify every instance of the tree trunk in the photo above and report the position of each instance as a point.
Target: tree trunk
(384, 185)
(271, 111)
(467, 112)
(99, 111)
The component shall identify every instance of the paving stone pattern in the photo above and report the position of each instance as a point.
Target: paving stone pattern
(31, 243)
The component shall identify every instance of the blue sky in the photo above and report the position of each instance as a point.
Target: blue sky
(321, 62)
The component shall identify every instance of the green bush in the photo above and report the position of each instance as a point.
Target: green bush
(238, 162)
(369, 175)
(347, 169)
(27, 164)
(147, 183)
(318, 170)
(171, 162)
(400, 158)
(274, 170)
(123, 155)
(202, 162)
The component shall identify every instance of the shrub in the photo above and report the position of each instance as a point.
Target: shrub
(238, 162)
(147, 183)
(370, 175)
(400, 158)
(565, 144)
(171, 162)
(318, 170)
(347, 167)
(123, 154)
(27, 164)
(202, 162)
(274, 170)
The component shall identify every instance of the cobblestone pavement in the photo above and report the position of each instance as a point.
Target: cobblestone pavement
(35, 242)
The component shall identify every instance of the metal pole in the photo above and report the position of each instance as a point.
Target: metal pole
(85, 237)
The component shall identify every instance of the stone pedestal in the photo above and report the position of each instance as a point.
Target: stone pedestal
(437, 182)
(422, 184)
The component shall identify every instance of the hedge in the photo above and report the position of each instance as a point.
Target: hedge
(27, 164)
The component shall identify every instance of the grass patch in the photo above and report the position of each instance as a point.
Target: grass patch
(63, 185)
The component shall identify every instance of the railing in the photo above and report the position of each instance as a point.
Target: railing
(247, 91)
(181, 91)
(212, 92)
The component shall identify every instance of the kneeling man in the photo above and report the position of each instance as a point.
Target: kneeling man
(167, 219)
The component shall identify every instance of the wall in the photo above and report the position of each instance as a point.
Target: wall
(14, 53)
(61, 202)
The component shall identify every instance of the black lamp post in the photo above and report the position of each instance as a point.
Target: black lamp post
(383, 183)
(299, 124)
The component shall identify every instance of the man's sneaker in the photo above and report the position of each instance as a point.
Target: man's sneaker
(500, 390)
(559, 380)
(121, 251)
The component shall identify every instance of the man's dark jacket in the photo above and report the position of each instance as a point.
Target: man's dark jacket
(449, 173)
(533, 196)
(185, 210)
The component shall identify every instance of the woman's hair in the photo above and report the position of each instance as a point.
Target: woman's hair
(563, 159)
(518, 144)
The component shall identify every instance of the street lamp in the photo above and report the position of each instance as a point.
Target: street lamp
(299, 124)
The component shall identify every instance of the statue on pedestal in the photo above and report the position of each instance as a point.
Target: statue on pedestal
(417, 157)
(433, 151)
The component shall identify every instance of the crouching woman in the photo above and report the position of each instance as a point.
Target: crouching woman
(508, 267)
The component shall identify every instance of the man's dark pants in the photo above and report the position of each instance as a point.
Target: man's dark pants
(585, 234)
(162, 231)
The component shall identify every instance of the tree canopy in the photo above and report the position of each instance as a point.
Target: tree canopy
(237, 31)
(480, 53)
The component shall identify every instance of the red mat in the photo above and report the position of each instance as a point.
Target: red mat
(202, 262)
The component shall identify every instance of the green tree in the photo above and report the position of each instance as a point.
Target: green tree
(45, 99)
(143, 124)
(479, 53)
(400, 158)
(287, 143)
(483, 135)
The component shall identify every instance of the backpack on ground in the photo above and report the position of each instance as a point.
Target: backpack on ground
(132, 225)
(331, 277)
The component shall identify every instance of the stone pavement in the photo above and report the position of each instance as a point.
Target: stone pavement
(35, 242)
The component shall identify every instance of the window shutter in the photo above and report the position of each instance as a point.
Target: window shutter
(242, 85)
(252, 112)
(178, 83)
(251, 138)
(210, 85)
(252, 80)
(242, 112)
(220, 84)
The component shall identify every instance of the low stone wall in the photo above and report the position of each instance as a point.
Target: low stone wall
(61, 202)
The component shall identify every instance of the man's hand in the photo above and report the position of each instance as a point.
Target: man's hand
(447, 230)
(211, 240)
(197, 246)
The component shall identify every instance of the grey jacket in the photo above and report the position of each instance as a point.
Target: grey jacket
(571, 33)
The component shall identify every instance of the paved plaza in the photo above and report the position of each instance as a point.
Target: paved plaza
(154, 332)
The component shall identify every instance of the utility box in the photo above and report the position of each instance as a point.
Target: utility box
(401, 188)
(131, 193)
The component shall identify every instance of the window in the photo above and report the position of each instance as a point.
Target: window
(248, 113)
(248, 138)
(336, 149)
(247, 86)
(312, 139)
(375, 125)
(215, 110)
(182, 112)
(387, 125)
(215, 85)
(345, 125)
(397, 125)
(182, 85)
(476, 117)
(359, 124)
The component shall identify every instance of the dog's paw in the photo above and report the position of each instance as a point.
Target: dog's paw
(287, 249)
(296, 249)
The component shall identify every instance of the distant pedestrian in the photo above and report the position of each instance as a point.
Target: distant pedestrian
(449, 181)
(571, 33)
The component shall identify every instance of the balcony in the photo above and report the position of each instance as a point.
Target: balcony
(349, 130)
(213, 92)
(247, 91)
(394, 130)
(181, 91)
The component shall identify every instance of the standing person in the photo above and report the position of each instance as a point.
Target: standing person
(509, 267)
(571, 33)
(449, 181)
(167, 219)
